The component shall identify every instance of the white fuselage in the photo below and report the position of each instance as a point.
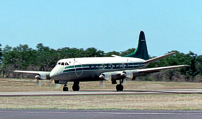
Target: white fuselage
(89, 69)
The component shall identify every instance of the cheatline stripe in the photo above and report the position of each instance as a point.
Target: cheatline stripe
(109, 65)
(85, 68)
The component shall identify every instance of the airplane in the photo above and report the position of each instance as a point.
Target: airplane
(103, 68)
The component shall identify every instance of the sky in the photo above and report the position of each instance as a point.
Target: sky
(107, 25)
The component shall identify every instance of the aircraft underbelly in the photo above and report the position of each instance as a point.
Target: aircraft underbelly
(86, 76)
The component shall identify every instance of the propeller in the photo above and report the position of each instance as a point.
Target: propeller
(42, 76)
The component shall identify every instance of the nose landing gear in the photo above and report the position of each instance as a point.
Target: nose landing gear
(65, 88)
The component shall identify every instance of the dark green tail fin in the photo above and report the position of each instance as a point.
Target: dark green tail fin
(141, 51)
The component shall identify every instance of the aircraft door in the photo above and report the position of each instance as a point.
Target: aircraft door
(78, 68)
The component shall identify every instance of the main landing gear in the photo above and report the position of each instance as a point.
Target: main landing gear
(75, 87)
(119, 87)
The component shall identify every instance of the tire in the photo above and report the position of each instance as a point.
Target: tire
(75, 87)
(65, 88)
(119, 87)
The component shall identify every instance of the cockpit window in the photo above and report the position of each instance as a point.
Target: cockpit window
(62, 63)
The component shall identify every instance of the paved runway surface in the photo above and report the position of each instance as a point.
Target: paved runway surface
(98, 114)
(100, 92)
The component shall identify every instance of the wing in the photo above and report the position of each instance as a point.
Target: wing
(134, 73)
(31, 72)
(40, 74)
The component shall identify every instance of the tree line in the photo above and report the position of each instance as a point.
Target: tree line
(44, 58)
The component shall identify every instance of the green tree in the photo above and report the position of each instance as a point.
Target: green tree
(1, 55)
(199, 64)
(109, 54)
(19, 57)
(191, 71)
(93, 52)
(63, 53)
(74, 53)
(25, 56)
(46, 57)
(129, 51)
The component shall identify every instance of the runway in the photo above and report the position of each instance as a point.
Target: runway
(98, 114)
(101, 92)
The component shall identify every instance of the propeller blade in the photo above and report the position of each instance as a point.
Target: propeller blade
(50, 82)
(38, 83)
(102, 83)
(57, 86)
(124, 82)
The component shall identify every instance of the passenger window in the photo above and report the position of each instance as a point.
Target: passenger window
(66, 63)
(107, 65)
(126, 65)
(100, 66)
(58, 63)
(111, 66)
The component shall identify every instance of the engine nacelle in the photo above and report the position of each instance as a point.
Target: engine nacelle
(60, 82)
(132, 74)
(43, 76)
(111, 75)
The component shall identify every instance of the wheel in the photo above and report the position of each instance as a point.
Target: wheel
(65, 88)
(119, 87)
(75, 87)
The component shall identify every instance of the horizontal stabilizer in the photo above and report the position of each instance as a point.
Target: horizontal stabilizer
(115, 56)
(158, 58)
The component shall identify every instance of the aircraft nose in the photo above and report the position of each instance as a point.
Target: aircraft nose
(55, 72)
(52, 74)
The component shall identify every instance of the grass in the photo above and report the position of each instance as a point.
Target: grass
(103, 102)
(16, 85)
(106, 102)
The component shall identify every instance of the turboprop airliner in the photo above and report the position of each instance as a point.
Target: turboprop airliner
(103, 68)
